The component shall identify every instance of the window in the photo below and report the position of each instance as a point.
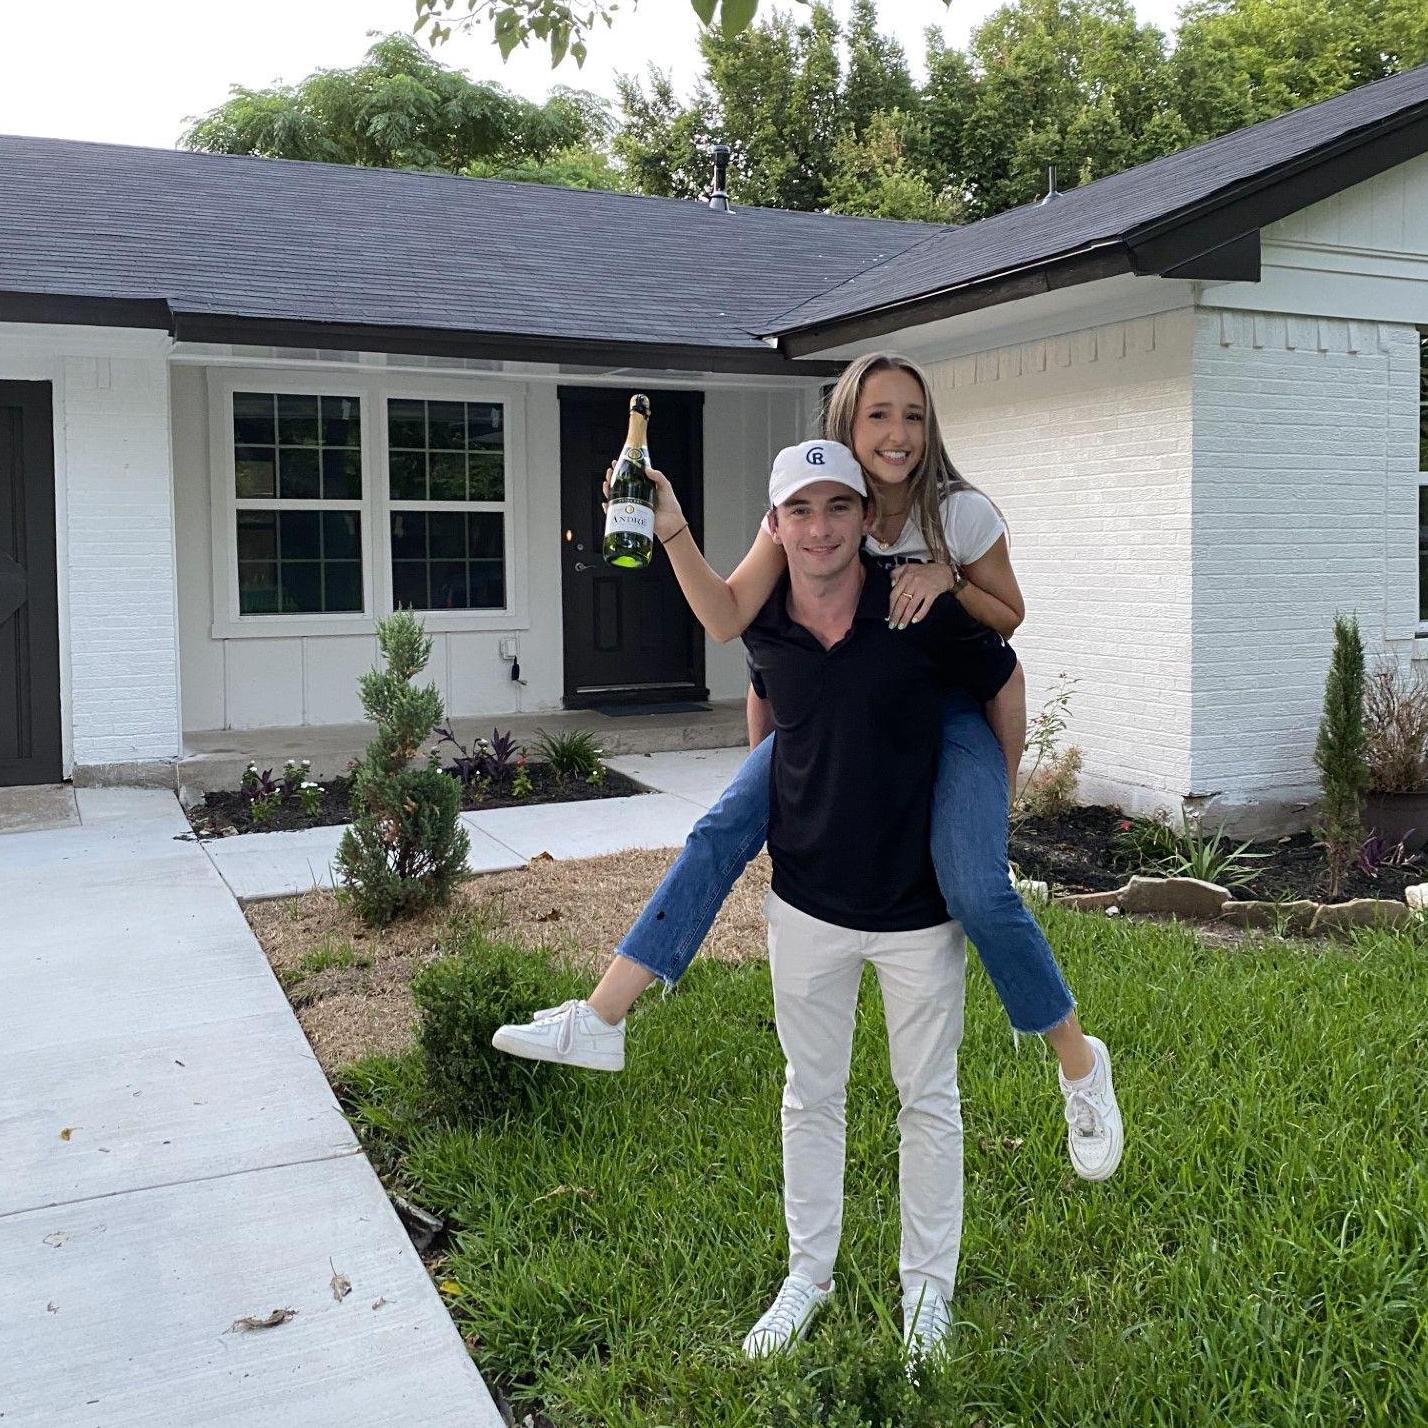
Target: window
(297, 466)
(1423, 478)
(447, 475)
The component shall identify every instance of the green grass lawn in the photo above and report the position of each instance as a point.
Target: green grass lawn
(1261, 1257)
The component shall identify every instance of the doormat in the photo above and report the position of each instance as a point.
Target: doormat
(629, 711)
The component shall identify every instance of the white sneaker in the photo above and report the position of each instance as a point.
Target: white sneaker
(926, 1321)
(1095, 1135)
(786, 1320)
(573, 1034)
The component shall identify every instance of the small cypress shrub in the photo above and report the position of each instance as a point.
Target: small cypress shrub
(1341, 753)
(461, 999)
(406, 847)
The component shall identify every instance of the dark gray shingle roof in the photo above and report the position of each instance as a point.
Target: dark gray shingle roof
(1111, 209)
(320, 245)
(325, 243)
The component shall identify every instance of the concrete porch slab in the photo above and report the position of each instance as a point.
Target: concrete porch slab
(585, 830)
(120, 1310)
(31, 807)
(698, 775)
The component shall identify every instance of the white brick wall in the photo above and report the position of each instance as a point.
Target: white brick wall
(1305, 504)
(118, 650)
(120, 560)
(1084, 442)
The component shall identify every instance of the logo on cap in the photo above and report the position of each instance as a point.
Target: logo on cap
(815, 456)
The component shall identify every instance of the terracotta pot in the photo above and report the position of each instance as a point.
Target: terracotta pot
(1395, 816)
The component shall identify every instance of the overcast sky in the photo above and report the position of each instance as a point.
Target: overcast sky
(133, 71)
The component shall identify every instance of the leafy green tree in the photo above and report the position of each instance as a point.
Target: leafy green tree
(1076, 83)
(562, 26)
(878, 80)
(773, 94)
(1239, 61)
(777, 103)
(401, 109)
(873, 176)
(571, 168)
(662, 144)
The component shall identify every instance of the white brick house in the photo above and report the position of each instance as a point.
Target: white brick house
(1196, 390)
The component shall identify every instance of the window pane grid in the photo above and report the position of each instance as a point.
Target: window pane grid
(299, 562)
(444, 560)
(446, 451)
(447, 489)
(297, 461)
(296, 447)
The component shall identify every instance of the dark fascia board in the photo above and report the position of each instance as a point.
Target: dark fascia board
(1215, 239)
(1105, 260)
(73, 311)
(432, 342)
(1257, 202)
(60, 309)
(1236, 261)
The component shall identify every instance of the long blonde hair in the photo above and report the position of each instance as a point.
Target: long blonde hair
(933, 478)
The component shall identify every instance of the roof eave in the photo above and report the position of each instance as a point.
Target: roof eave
(1273, 195)
(1215, 238)
(1101, 260)
(760, 360)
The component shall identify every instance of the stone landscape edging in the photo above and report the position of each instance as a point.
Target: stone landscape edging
(1199, 901)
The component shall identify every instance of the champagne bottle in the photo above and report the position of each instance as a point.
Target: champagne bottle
(629, 518)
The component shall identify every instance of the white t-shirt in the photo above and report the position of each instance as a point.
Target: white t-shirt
(969, 520)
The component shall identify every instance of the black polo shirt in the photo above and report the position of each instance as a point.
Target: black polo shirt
(859, 730)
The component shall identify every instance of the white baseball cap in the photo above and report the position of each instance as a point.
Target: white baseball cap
(812, 461)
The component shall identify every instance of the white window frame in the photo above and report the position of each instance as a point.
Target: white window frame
(373, 390)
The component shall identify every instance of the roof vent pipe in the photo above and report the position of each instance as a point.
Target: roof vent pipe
(1051, 190)
(719, 199)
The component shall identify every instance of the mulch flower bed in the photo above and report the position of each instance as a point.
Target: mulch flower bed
(1077, 852)
(231, 811)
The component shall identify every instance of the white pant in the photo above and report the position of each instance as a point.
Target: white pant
(816, 969)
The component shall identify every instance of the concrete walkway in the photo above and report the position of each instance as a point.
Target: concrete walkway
(263, 865)
(172, 1161)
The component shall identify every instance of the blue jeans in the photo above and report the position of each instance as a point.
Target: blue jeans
(969, 852)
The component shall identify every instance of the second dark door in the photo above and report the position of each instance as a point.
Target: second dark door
(629, 637)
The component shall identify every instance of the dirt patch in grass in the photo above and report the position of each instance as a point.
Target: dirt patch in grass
(358, 1004)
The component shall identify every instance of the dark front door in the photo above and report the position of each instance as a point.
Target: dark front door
(629, 636)
(29, 604)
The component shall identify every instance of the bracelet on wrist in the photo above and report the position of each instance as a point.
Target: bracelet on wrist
(677, 533)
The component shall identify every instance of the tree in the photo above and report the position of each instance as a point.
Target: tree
(878, 80)
(563, 26)
(406, 848)
(874, 177)
(401, 109)
(1341, 752)
(662, 144)
(1075, 83)
(772, 93)
(1239, 61)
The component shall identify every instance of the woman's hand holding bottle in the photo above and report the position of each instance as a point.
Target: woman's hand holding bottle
(668, 514)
